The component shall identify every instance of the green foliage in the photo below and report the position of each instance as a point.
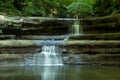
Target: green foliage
(1, 31)
(103, 7)
(8, 7)
(59, 8)
(80, 9)
(29, 9)
(46, 8)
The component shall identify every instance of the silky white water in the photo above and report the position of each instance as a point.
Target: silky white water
(50, 56)
(76, 28)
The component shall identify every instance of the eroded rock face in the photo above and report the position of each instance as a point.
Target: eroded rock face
(79, 49)
(69, 57)
(58, 26)
(92, 59)
(34, 26)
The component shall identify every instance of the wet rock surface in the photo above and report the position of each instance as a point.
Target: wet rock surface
(99, 44)
(92, 59)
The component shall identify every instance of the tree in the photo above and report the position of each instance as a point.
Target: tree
(80, 9)
(103, 7)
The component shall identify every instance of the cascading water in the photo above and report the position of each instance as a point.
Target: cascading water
(51, 53)
(76, 28)
(50, 56)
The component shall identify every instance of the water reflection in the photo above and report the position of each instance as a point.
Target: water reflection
(60, 73)
(50, 73)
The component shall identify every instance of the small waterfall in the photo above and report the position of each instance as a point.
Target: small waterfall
(76, 28)
(51, 52)
(51, 55)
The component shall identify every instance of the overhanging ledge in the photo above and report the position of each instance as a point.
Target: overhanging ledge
(38, 43)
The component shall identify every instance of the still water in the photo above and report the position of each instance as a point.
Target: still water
(59, 73)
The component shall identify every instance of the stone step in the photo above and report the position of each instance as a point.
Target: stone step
(70, 43)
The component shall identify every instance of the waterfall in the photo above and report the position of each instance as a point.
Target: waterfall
(51, 55)
(76, 28)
